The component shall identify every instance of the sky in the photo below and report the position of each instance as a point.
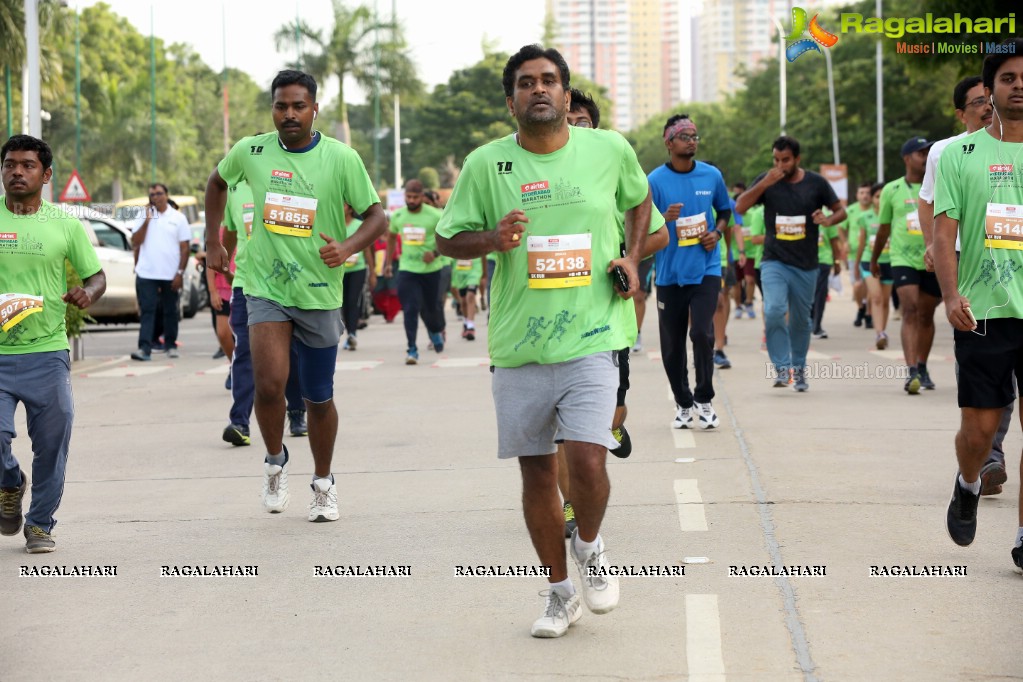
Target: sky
(443, 36)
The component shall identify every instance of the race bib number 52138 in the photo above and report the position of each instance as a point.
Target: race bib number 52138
(559, 261)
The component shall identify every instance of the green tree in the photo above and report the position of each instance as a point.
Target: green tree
(357, 46)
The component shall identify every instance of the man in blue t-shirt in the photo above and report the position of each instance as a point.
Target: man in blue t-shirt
(688, 193)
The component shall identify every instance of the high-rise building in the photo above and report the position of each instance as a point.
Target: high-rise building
(631, 47)
(727, 34)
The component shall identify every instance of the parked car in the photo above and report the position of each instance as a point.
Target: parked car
(112, 241)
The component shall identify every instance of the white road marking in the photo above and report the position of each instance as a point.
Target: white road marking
(462, 362)
(703, 639)
(683, 438)
(128, 371)
(691, 516)
(684, 460)
(352, 365)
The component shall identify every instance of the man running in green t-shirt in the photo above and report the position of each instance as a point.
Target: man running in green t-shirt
(545, 199)
(300, 180)
(918, 289)
(36, 238)
(852, 239)
(979, 194)
(419, 268)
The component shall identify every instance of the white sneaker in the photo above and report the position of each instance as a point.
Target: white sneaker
(683, 417)
(324, 504)
(558, 614)
(639, 343)
(708, 417)
(600, 592)
(275, 487)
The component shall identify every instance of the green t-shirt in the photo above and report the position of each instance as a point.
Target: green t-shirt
(825, 256)
(357, 261)
(418, 232)
(552, 299)
(852, 213)
(868, 224)
(980, 184)
(238, 218)
(753, 226)
(32, 276)
(466, 273)
(898, 208)
(297, 196)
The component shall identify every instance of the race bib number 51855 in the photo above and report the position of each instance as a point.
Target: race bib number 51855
(289, 215)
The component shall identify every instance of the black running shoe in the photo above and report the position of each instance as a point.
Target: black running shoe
(624, 448)
(237, 434)
(961, 519)
(1017, 557)
(925, 380)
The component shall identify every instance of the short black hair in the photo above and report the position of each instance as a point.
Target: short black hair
(528, 53)
(27, 143)
(785, 142)
(962, 87)
(876, 187)
(865, 183)
(161, 186)
(581, 100)
(293, 77)
(994, 61)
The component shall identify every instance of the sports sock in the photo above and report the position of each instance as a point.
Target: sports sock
(584, 549)
(565, 588)
(972, 487)
(279, 460)
(325, 478)
(1019, 537)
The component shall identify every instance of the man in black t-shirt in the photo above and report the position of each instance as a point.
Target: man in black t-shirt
(792, 199)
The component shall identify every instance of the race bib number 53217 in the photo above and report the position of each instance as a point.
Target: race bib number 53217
(560, 261)
(289, 215)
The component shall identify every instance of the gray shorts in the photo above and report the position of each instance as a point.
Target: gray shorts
(541, 405)
(314, 328)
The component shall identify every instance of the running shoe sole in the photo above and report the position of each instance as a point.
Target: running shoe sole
(992, 476)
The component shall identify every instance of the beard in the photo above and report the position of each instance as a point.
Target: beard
(547, 119)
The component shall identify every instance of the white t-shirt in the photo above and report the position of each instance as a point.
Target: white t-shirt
(931, 173)
(160, 255)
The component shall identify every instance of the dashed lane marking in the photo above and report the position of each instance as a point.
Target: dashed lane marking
(703, 639)
(691, 516)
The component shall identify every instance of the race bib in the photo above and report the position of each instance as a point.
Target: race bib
(352, 260)
(16, 307)
(463, 265)
(413, 236)
(790, 227)
(913, 224)
(690, 229)
(559, 261)
(1003, 226)
(873, 240)
(248, 215)
(289, 215)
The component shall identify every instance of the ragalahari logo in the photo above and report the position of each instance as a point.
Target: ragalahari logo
(803, 45)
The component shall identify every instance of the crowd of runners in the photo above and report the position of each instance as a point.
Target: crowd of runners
(556, 237)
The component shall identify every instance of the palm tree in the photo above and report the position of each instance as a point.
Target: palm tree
(52, 17)
(357, 46)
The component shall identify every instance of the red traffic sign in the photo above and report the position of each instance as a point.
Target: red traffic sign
(75, 190)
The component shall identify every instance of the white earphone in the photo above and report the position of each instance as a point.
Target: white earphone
(314, 114)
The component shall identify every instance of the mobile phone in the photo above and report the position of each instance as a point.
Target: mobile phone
(972, 318)
(621, 280)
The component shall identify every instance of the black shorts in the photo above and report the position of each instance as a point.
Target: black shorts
(646, 282)
(623, 375)
(464, 290)
(927, 281)
(987, 363)
(225, 309)
(728, 276)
